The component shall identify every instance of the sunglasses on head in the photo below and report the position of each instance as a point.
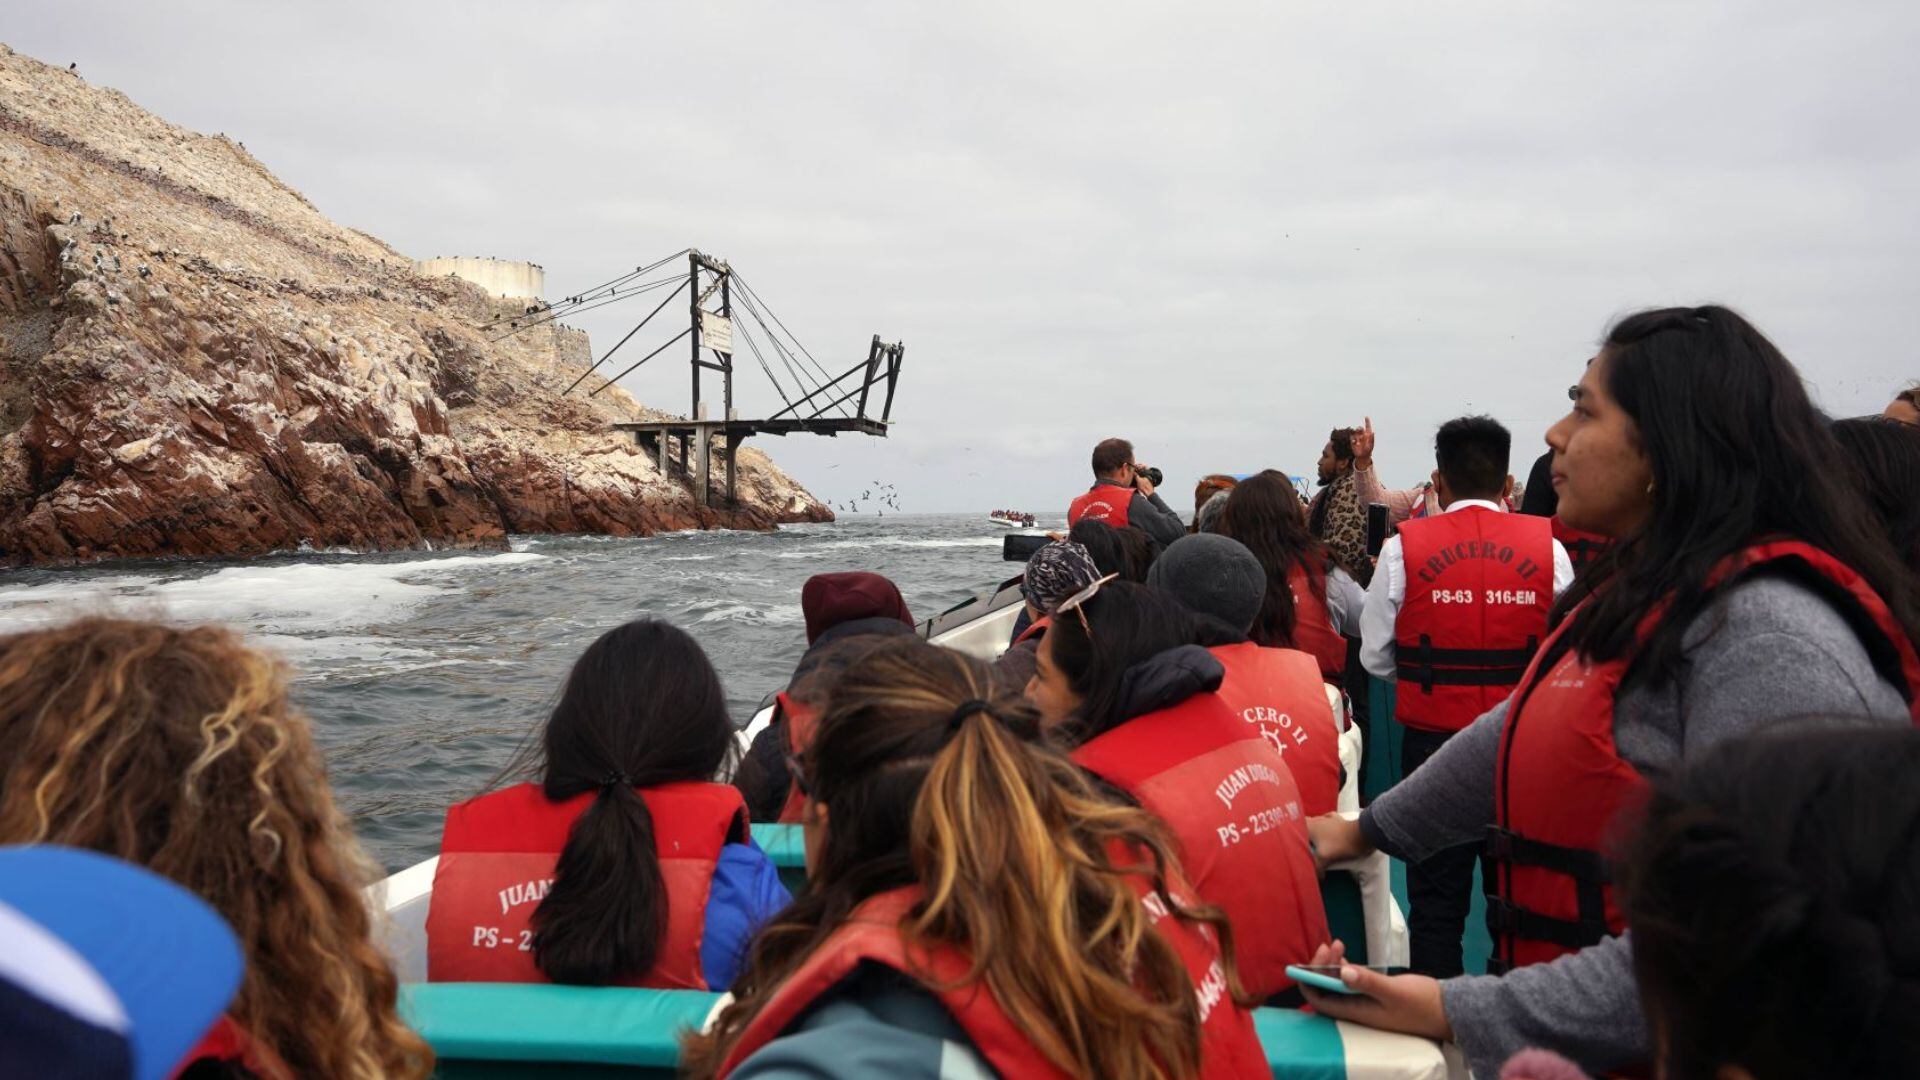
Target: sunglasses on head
(1074, 603)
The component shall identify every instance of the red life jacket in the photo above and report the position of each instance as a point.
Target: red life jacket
(1313, 630)
(1102, 502)
(1560, 781)
(872, 932)
(496, 862)
(229, 1043)
(1034, 629)
(1479, 586)
(801, 721)
(1234, 808)
(1279, 695)
(1582, 547)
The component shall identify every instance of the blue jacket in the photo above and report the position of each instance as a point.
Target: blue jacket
(746, 892)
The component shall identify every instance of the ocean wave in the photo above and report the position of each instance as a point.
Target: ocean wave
(282, 598)
(707, 612)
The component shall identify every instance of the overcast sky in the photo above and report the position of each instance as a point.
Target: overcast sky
(1216, 229)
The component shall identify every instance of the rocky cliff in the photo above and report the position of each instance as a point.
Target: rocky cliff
(195, 361)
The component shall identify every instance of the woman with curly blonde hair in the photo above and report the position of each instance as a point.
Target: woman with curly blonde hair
(176, 748)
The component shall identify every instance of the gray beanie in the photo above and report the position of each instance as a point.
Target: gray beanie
(1213, 575)
(1209, 515)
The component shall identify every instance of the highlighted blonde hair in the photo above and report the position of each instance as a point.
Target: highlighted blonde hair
(1014, 851)
(176, 748)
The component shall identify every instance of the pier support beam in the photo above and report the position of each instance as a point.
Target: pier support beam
(704, 452)
(733, 445)
(703, 440)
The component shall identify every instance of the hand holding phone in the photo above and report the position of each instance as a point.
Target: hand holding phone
(1321, 977)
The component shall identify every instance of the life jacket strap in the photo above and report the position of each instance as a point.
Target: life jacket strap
(1509, 920)
(1505, 845)
(1430, 677)
(1467, 667)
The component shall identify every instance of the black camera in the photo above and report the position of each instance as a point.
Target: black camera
(1152, 474)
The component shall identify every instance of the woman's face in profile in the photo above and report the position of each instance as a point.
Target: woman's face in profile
(1049, 689)
(1599, 470)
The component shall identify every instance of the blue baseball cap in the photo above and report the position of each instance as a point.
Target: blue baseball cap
(106, 969)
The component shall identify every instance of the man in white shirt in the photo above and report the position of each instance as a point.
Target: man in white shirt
(1457, 606)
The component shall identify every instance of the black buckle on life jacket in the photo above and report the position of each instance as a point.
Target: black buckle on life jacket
(1430, 677)
(1505, 845)
(1466, 667)
(1509, 919)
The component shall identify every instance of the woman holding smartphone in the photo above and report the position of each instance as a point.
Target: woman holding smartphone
(1741, 594)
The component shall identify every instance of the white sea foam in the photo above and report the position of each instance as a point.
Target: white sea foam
(973, 541)
(827, 548)
(270, 601)
(707, 612)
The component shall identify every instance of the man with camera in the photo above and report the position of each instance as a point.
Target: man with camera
(1123, 495)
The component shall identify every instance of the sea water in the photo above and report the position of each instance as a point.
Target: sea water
(423, 673)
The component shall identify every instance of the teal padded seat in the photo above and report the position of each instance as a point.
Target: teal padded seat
(503, 1030)
(495, 1031)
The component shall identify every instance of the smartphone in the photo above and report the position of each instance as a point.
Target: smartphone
(1320, 977)
(1019, 547)
(1377, 530)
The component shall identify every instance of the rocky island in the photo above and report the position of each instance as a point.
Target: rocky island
(195, 361)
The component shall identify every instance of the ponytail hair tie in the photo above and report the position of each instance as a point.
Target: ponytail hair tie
(614, 780)
(966, 709)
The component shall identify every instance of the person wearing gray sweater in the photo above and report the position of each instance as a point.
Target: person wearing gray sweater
(1741, 595)
(1771, 651)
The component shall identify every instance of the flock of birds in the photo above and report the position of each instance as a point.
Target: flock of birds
(888, 496)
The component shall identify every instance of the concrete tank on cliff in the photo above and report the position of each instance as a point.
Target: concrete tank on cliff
(499, 277)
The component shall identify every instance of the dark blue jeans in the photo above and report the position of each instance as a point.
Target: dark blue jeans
(1439, 890)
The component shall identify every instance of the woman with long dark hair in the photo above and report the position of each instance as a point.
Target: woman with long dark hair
(973, 896)
(1124, 678)
(1311, 601)
(623, 863)
(1126, 551)
(1883, 459)
(1745, 590)
(1773, 887)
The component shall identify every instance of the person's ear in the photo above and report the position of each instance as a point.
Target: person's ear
(1506, 490)
(1440, 487)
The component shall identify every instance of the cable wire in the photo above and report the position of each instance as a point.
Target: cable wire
(589, 294)
(628, 295)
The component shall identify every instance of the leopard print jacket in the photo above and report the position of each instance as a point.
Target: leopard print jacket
(1340, 522)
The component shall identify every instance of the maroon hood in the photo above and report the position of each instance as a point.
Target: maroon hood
(827, 600)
